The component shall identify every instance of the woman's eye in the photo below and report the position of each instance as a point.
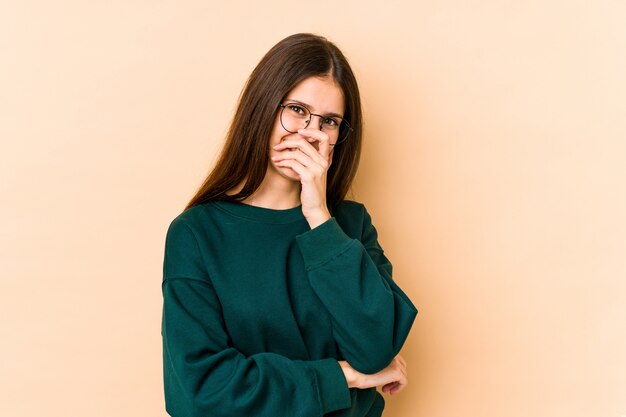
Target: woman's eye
(296, 109)
(331, 122)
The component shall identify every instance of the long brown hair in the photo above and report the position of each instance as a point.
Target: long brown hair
(246, 151)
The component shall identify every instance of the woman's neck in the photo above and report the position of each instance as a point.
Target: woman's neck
(275, 192)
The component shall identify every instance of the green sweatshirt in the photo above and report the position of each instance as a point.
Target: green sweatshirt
(258, 308)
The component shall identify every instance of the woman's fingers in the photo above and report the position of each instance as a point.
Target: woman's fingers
(393, 378)
(394, 373)
(400, 377)
(295, 155)
(301, 144)
(402, 361)
(322, 139)
(298, 160)
(398, 373)
(392, 388)
(295, 165)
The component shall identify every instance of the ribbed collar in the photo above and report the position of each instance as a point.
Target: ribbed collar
(261, 214)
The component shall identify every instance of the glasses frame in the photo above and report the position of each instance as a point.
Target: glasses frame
(322, 117)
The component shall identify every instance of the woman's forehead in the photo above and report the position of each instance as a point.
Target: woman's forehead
(320, 95)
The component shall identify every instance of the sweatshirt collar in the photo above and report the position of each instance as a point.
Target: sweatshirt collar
(262, 214)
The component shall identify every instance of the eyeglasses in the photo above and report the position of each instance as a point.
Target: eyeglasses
(295, 116)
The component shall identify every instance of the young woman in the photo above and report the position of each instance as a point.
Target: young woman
(278, 300)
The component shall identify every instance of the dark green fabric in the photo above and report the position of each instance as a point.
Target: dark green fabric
(258, 307)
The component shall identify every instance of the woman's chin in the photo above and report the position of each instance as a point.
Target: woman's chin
(288, 173)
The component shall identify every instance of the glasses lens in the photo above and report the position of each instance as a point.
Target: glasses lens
(294, 117)
(344, 132)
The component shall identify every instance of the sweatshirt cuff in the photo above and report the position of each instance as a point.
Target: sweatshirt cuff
(334, 393)
(322, 243)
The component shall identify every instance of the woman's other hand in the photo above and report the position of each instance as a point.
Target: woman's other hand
(311, 163)
(393, 378)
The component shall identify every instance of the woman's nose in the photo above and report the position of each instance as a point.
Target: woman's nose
(315, 123)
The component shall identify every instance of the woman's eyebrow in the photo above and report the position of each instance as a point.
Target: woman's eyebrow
(293, 100)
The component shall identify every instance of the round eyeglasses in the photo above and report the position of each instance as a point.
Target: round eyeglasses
(295, 116)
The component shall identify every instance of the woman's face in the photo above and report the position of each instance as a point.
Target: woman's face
(320, 96)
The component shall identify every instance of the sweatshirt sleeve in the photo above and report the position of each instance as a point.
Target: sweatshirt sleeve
(205, 375)
(371, 315)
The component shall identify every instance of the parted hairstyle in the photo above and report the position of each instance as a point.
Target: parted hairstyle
(245, 153)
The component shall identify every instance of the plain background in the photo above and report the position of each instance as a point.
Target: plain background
(494, 169)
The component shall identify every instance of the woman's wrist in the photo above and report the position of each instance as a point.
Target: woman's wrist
(318, 218)
(350, 374)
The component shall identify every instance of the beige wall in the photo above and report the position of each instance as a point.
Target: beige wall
(494, 167)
